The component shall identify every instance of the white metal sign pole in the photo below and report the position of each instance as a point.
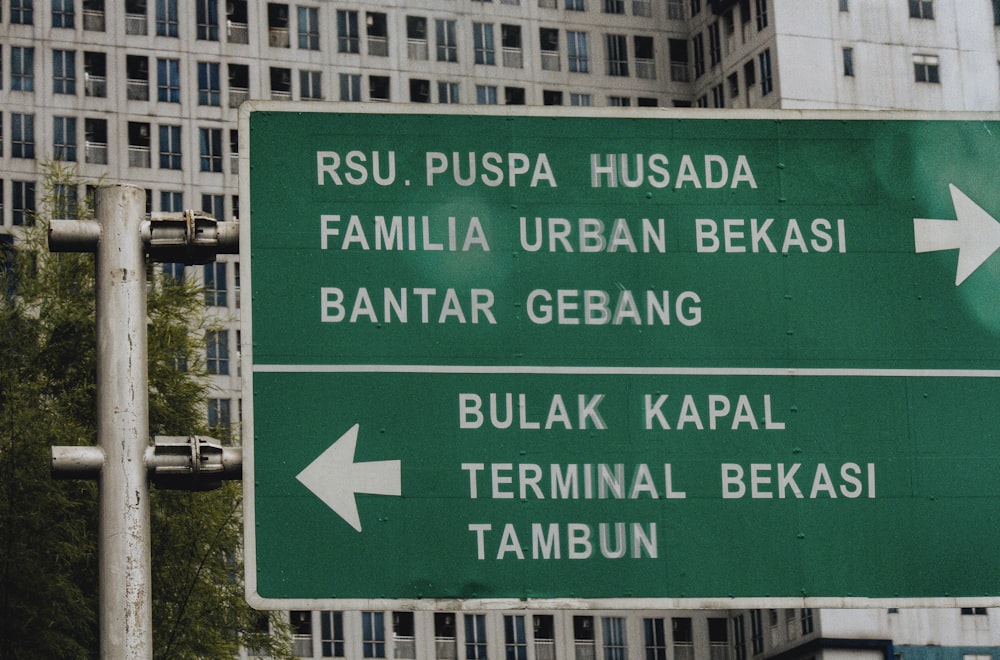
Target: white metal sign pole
(123, 426)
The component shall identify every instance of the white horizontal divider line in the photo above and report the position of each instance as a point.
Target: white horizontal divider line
(620, 370)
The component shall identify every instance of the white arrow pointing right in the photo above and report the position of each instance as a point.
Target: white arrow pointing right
(335, 478)
(974, 233)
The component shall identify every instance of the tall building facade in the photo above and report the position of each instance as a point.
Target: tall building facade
(145, 92)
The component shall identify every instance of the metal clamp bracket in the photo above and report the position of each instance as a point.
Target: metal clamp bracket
(175, 462)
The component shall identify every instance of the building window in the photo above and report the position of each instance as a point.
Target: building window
(714, 44)
(545, 636)
(510, 42)
(22, 69)
(739, 638)
(207, 16)
(698, 49)
(170, 147)
(513, 95)
(22, 135)
(403, 636)
(210, 144)
(95, 136)
(683, 637)
(22, 12)
(220, 419)
(308, 28)
(577, 52)
(549, 46)
(756, 631)
(679, 69)
(63, 72)
(583, 636)
(766, 80)
(311, 85)
(416, 37)
(420, 90)
(447, 44)
(378, 88)
(64, 138)
(277, 25)
(217, 352)
(973, 611)
(135, 17)
(645, 64)
(718, 637)
(347, 31)
(580, 99)
(552, 97)
(925, 69)
(615, 643)
(733, 81)
(996, 12)
(65, 201)
(209, 90)
(482, 38)
(173, 273)
(22, 204)
(848, 62)
(922, 9)
(655, 639)
(239, 84)
(373, 634)
(576, 5)
(445, 640)
(212, 205)
(95, 69)
(613, 6)
(807, 620)
(448, 92)
(616, 48)
(515, 638)
(138, 144)
(166, 18)
(378, 33)
(237, 29)
(761, 14)
(350, 87)
(475, 637)
(215, 284)
(718, 96)
(486, 94)
(281, 83)
(331, 631)
(695, 8)
(168, 81)
(171, 201)
(62, 13)
(844, 5)
(136, 78)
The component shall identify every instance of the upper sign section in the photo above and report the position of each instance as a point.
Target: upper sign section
(608, 241)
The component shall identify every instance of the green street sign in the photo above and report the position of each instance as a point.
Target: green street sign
(620, 359)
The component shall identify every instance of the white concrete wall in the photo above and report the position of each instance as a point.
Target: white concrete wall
(811, 35)
(915, 627)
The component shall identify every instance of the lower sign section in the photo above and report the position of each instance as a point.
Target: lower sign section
(542, 484)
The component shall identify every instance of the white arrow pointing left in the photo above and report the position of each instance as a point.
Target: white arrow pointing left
(335, 478)
(974, 233)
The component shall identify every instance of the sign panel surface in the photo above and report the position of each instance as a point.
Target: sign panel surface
(620, 360)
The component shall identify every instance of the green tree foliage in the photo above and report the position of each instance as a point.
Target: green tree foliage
(48, 560)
